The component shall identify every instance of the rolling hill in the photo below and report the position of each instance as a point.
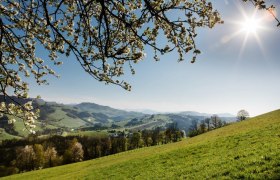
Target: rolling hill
(246, 150)
(61, 119)
(58, 118)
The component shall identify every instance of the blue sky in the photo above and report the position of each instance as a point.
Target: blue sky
(226, 77)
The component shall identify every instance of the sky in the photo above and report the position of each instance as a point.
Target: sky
(230, 74)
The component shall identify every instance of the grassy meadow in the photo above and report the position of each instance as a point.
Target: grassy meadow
(4, 135)
(89, 133)
(246, 150)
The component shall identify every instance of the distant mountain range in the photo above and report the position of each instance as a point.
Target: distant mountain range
(55, 117)
(193, 113)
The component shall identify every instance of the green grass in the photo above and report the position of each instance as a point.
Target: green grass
(4, 135)
(64, 120)
(89, 133)
(245, 150)
(21, 129)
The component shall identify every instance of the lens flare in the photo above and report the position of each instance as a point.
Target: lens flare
(250, 25)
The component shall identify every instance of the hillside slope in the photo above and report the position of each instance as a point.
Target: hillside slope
(249, 149)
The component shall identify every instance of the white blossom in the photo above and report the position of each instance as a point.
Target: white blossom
(103, 36)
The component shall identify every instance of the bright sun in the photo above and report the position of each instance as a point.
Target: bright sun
(250, 25)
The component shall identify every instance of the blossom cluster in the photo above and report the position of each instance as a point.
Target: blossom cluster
(105, 37)
(25, 112)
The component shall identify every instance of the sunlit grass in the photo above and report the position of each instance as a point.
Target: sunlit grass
(4, 135)
(245, 150)
(89, 133)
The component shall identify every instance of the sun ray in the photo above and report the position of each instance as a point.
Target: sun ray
(243, 45)
(251, 26)
(228, 38)
(258, 39)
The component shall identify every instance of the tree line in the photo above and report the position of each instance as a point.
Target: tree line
(36, 153)
(212, 123)
(205, 125)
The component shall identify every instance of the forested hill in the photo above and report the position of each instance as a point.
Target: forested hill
(86, 106)
(64, 119)
(111, 112)
(243, 150)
